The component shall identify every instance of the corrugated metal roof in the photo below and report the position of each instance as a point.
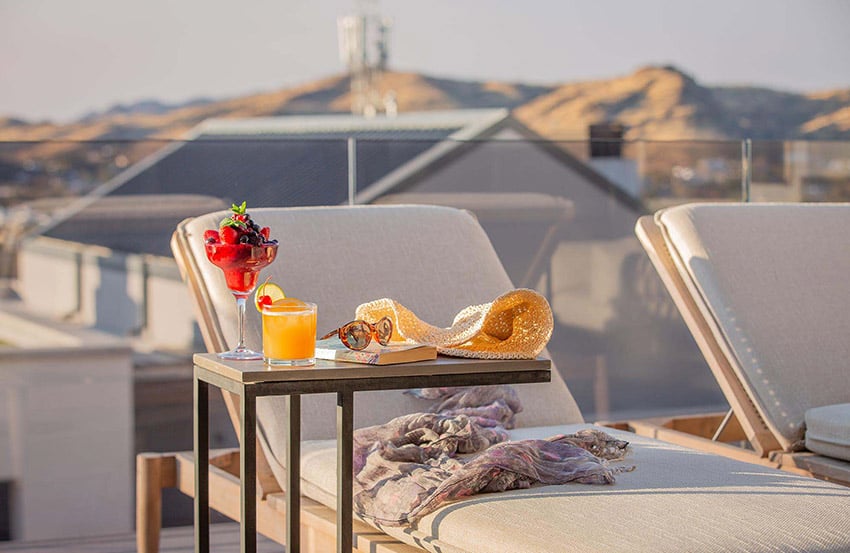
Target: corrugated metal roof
(337, 124)
(269, 173)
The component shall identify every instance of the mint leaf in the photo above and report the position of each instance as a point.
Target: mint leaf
(230, 222)
(239, 209)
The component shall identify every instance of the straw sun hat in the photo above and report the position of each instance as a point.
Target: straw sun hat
(516, 325)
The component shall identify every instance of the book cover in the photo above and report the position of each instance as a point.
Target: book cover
(374, 354)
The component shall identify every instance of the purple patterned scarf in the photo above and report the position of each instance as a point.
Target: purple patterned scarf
(410, 466)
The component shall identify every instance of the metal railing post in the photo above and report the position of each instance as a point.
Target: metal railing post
(352, 170)
(746, 169)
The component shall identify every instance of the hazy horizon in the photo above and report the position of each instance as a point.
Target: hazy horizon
(61, 60)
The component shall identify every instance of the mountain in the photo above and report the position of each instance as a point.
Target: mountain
(413, 92)
(664, 103)
(656, 103)
(146, 107)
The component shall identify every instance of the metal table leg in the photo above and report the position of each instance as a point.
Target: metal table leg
(248, 470)
(202, 455)
(293, 474)
(344, 475)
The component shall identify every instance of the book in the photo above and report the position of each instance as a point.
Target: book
(374, 354)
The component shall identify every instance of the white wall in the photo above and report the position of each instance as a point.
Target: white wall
(136, 296)
(170, 322)
(621, 171)
(47, 276)
(66, 410)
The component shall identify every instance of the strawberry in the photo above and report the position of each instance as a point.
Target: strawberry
(211, 236)
(265, 231)
(229, 235)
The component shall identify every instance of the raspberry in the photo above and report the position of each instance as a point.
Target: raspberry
(265, 231)
(211, 236)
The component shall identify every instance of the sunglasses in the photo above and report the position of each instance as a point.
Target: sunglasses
(358, 334)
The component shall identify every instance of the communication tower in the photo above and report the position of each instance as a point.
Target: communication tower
(364, 49)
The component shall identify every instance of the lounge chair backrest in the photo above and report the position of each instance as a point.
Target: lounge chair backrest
(434, 260)
(773, 282)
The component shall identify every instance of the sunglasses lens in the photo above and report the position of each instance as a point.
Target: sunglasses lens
(357, 335)
(384, 331)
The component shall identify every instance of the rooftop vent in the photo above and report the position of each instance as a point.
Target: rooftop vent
(606, 140)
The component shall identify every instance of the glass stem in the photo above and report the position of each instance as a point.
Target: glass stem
(240, 306)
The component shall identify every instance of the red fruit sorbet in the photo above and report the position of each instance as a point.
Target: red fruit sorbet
(241, 263)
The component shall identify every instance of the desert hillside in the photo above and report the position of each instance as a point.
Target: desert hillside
(413, 92)
(655, 103)
(664, 103)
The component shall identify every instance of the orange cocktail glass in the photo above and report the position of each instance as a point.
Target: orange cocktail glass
(289, 333)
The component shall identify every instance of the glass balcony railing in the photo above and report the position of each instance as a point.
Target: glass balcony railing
(77, 216)
(655, 172)
(561, 220)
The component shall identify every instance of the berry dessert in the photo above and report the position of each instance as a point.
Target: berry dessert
(240, 248)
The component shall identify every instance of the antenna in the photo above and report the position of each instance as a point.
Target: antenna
(364, 49)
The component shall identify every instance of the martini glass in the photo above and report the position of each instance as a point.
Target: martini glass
(241, 264)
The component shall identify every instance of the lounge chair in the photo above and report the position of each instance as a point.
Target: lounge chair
(765, 291)
(436, 260)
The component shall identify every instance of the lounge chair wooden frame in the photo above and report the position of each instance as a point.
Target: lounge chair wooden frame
(719, 432)
(157, 471)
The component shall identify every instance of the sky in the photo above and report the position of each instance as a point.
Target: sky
(60, 59)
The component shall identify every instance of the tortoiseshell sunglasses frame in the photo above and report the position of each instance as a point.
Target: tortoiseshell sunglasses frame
(342, 333)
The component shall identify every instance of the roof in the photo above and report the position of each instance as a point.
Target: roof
(473, 121)
(281, 161)
(274, 161)
(303, 160)
(137, 224)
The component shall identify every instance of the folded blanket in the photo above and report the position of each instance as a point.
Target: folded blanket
(412, 465)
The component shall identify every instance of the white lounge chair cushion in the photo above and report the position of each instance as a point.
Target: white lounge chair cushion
(676, 500)
(434, 260)
(774, 279)
(828, 430)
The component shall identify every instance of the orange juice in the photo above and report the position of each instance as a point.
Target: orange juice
(289, 333)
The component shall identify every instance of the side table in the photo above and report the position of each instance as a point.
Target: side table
(252, 379)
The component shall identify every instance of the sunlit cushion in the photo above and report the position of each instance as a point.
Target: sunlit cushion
(676, 500)
(828, 430)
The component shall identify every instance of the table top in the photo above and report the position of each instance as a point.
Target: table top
(245, 372)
